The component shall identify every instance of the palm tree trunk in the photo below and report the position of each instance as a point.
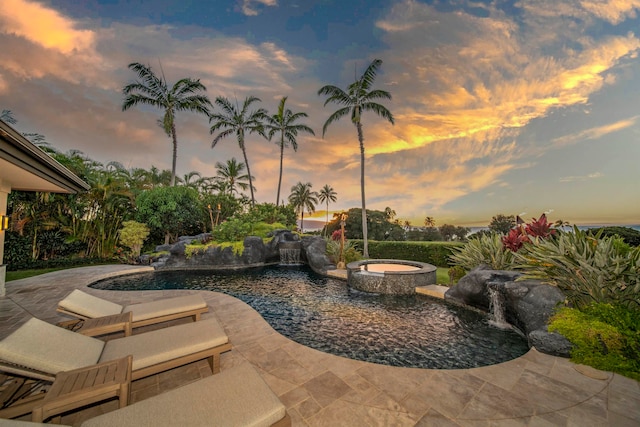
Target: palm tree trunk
(302, 221)
(281, 159)
(246, 162)
(175, 155)
(326, 223)
(365, 243)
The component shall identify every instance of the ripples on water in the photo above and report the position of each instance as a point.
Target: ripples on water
(323, 313)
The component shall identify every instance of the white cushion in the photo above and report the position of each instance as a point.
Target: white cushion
(235, 397)
(88, 305)
(48, 348)
(165, 344)
(163, 307)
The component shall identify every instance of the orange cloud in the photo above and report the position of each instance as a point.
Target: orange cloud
(43, 26)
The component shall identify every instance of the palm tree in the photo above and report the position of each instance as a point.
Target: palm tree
(184, 95)
(358, 98)
(327, 194)
(302, 197)
(429, 221)
(191, 179)
(389, 214)
(232, 175)
(284, 122)
(238, 121)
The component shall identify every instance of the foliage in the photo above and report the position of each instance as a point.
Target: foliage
(174, 211)
(132, 235)
(359, 97)
(451, 232)
(232, 230)
(502, 223)
(263, 229)
(284, 123)
(537, 228)
(604, 336)
(151, 90)
(302, 198)
(17, 251)
(485, 249)
(269, 213)
(378, 226)
(435, 253)
(429, 234)
(456, 273)
(238, 121)
(629, 235)
(351, 252)
(586, 268)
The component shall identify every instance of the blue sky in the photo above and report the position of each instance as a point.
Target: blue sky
(501, 106)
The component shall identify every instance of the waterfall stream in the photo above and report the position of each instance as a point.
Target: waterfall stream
(496, 309)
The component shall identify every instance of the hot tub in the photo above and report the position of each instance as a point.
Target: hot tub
(390, 276)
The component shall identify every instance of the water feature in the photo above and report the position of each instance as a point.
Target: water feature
(496, 309)
(290, 253)
(326, 314)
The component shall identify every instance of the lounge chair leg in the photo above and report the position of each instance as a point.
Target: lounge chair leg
(196, 317)
(214, 363)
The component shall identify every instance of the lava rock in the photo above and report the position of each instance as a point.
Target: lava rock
(472, 288)
(314, 250)
(550, 343)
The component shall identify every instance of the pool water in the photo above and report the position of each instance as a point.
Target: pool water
(323, 313)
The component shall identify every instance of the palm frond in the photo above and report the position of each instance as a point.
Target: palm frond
(334, 118)
(380, 110)
(369, 75)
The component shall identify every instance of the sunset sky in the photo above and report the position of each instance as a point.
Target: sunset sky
(500, 106)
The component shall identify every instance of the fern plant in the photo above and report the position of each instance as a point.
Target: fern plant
(586, 268)
(485, 249)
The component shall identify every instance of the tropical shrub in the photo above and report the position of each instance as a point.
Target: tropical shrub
(629, 235)
(604, 336)
(435, 253)
(351, 253)
(232, 230)
(538, 228)
(485, 249)
(456, 273)
(587, 269)
(132, 235)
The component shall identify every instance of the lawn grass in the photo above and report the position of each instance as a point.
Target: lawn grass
(23, 274)
(442, 276)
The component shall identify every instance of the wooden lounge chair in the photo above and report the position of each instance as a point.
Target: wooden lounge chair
(85, 306)
(236, 397)
(40, 350)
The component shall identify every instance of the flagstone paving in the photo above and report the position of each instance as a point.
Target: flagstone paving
(320, 389)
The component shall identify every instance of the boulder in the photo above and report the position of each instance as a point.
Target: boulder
(314, 250)
(528, 304)
(472, 289)
(550, 343)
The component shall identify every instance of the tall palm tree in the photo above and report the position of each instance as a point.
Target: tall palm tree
(326, 195)
(358, 98)
(239, 121)
(389, 214)
(232, 175)
(284, 123)
(302, 197)
(429, 221)
(152, 90)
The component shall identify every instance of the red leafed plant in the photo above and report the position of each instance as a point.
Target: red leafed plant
(336, 235)
(515, 239)
(521, 234)
(540, 227)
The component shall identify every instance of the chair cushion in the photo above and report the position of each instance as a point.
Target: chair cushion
(236, 397)
(48, 348)
(88, 305)
(165, 344)
(163, 307)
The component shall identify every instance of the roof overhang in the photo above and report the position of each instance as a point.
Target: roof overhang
(25, 167)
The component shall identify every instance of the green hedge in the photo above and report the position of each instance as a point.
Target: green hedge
(435, 253)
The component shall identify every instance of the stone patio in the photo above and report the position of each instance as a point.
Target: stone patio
(320, 389)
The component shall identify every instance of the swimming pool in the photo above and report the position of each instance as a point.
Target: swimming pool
(323, 313)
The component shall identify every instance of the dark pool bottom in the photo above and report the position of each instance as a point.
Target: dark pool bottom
(323, 313)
